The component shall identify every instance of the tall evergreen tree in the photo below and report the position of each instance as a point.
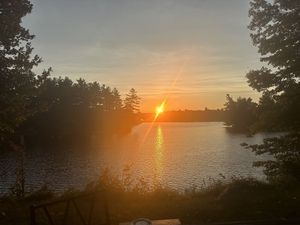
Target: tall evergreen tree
(117, 101)
(132, 101)
(18, 83)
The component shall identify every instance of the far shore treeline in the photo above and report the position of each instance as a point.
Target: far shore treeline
(206, 115)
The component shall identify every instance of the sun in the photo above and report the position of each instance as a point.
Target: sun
(160, 109)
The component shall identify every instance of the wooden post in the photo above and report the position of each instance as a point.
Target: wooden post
(32, 215)
(106, 207)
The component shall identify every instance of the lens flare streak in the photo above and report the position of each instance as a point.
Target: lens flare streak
(160, 108)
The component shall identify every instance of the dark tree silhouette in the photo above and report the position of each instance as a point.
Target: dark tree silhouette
(275, 30)
(76, 112)
(132, 101)
(18, 83)
(116, 98)
(240, 114)
(267, 118)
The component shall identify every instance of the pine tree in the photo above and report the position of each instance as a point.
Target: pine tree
(132, 101)
(117, 101)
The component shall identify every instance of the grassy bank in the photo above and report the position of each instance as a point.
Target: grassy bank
(239, 199)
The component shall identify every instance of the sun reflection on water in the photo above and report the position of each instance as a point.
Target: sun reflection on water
(159, 152)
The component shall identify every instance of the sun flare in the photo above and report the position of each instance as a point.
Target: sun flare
(160, 109)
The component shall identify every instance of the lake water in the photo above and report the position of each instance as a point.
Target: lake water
(179, 155)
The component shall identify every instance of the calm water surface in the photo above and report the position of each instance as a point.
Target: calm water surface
(179, 155)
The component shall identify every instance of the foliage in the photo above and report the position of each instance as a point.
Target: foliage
(240, 114)
(18, 83)
(286, 163)
(77, 112)
(267, 118)
(235, 200)
(132, 101)
(275, 30)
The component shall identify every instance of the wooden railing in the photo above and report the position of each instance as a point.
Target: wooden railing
(84, 215)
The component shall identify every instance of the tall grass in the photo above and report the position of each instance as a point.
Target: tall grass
(129, 198)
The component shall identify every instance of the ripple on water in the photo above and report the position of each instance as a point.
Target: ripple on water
(179, 155)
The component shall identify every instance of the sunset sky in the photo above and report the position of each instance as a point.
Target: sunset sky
(193, 52)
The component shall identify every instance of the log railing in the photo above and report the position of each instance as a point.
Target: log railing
(84, 215)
